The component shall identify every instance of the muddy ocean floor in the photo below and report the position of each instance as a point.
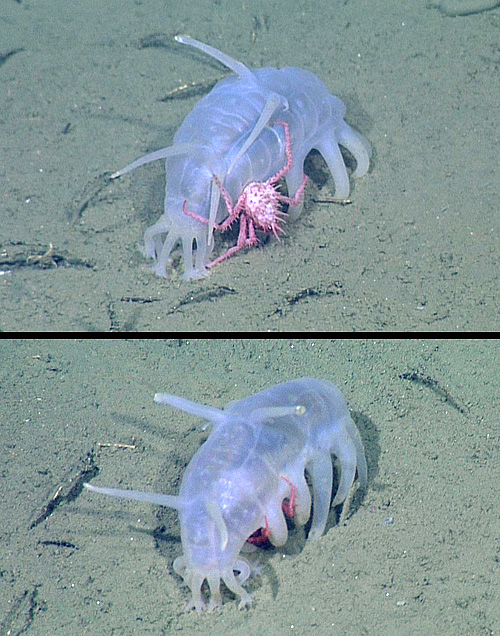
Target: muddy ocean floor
(417, 552)
(90, 86)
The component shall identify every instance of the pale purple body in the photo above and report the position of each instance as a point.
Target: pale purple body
(232, 133)
(237, 481)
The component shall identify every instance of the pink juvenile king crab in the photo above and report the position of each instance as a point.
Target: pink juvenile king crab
(258, 206)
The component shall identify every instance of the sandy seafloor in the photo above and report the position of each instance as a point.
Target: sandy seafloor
(417, 249)
(418, 553)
